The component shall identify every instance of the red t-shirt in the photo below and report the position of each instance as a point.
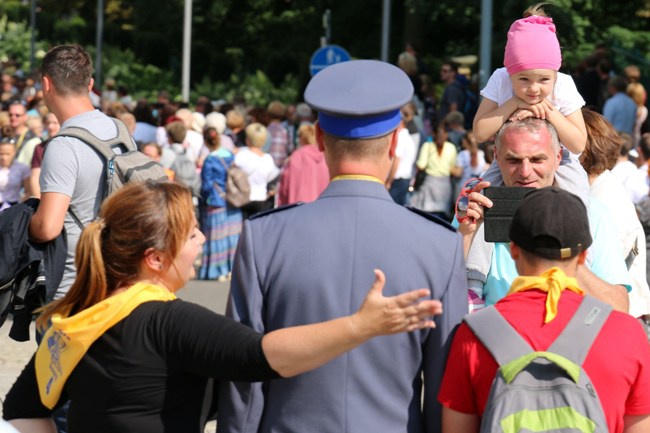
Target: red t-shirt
(37, 158)
(618, 362)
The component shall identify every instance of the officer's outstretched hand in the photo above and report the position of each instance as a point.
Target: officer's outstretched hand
(381, 315)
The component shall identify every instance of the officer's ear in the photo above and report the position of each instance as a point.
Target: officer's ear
(319, 137)
(393, 142)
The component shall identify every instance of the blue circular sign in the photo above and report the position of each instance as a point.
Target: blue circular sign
(327, 56)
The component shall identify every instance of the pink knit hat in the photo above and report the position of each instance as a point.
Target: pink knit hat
(532, 44)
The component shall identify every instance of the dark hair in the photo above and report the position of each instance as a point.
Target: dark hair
(453, 65)
(70, 69)
(644, 145)
(212, 138)
(603, 144)
(143, 112)
(537, 9)
(136, 218)
(619, 83)
(627, 143)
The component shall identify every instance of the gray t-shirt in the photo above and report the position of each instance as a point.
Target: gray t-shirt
(73, 168)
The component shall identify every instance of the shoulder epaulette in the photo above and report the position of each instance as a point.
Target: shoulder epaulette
(274, 210)
(431, 217)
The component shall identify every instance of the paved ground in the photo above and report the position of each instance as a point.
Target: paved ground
(14, 355)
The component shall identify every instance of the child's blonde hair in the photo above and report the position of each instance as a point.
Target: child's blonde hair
(256, 135)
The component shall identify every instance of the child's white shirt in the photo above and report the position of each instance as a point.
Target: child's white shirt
(565, 96)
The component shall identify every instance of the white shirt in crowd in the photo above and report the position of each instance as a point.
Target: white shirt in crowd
(633, 179)
(406, 151)
(260, 170)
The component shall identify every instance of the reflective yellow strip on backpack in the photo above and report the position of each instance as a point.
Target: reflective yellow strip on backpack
(514, 367)
(547, 420)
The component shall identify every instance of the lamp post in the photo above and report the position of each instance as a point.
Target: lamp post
(32, 42)
(485, 65)
(385, 30)
(187, 48)
(98, 44)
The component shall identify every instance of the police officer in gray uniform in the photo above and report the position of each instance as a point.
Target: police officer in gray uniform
(306, 263)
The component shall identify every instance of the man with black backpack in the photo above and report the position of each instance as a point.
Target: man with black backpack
(547, 357)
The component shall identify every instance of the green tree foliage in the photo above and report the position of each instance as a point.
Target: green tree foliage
(15, 43)
(142, 80)
(256, 89)
(453, 27)
(241, 37)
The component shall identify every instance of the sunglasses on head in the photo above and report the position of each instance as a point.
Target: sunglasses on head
(462, 204)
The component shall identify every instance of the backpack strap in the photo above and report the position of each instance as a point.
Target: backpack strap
(220, 191)
(497, 335)
(103, 147)
(76, 219)
(579, 334)
(223, 162)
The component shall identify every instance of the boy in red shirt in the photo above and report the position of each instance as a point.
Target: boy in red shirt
(549, 238)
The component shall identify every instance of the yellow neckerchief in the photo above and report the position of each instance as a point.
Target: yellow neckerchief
(552, 281)
(357, 177)
(68, 339)
(21, 138)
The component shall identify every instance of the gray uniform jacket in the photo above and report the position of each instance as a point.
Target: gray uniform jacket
(315, 262)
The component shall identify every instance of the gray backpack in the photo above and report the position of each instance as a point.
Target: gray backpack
(238, 189)
(185, 172)
(124, 163)
(542, 391)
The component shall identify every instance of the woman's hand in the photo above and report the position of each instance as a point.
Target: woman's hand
(381, 315)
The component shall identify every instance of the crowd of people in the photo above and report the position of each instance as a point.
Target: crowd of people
(327, 180)
(195, 146)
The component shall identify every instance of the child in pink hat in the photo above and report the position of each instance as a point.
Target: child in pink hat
(530, 85)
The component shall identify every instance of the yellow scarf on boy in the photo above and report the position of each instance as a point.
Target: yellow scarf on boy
(552, 281)
(68, 339)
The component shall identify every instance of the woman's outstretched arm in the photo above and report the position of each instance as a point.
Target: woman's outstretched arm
(294, 350)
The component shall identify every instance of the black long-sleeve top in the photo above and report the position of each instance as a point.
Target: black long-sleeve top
(148, 373)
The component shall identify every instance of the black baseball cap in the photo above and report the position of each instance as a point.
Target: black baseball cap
(551, 223)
